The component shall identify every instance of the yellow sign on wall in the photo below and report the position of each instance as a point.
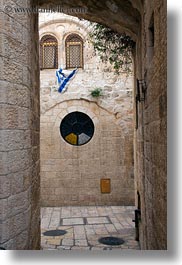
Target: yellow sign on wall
(105, 185)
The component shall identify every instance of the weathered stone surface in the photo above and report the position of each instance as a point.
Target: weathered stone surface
(14, 94)
(14, 226)
(109, 153)
(13, 140)
(151, 154)
(19, 115)
(150, 167)
(5, 184)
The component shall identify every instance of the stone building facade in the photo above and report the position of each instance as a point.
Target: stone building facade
(145, 22)
(72, 175)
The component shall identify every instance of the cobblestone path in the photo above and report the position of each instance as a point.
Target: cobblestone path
(82, 227)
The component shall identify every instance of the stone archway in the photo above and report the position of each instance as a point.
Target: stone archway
(122, 16)
(19, 79)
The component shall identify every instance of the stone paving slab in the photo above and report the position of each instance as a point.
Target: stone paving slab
(84, 227)
(97, 220)
(72, 221)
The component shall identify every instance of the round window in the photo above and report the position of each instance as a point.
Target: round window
(77, 128)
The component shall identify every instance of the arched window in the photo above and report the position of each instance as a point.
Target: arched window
(48, 52)
(74, 51)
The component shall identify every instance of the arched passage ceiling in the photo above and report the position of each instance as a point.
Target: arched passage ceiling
(120, 15)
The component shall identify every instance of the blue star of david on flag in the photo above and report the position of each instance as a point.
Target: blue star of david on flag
(63, 80)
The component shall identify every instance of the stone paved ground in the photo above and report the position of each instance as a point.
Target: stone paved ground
(85, 225)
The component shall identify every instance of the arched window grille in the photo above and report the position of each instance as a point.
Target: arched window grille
(74, 51)
(48, 52)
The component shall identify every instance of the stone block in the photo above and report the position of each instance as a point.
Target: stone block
(73, 221)
(3, 163)
(13, 117)
(18, 203)
(5, 184)
(67, 242)
(14, 226)
(21, 242)
(8, 117)
(14, 139)
(81, 243)
(97, 220)
(14, 49)
(10, 26)
(14, 94)
(10, 67)
(18, 160)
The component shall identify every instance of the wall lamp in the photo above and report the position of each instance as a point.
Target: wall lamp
(141, 90)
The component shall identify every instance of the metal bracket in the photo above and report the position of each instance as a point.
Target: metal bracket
(141, 90)
(136, 221)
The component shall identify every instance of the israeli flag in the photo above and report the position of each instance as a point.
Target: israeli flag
(63, 80)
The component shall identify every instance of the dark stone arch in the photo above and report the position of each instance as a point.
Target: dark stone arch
(120, 15)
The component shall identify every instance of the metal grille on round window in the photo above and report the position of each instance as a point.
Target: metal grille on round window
(77, 128)
(48, 52)
(74, 51)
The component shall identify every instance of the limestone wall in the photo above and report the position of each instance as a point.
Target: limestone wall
(71, 175)
(151, 135)
(19, 130)
(19, 121)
